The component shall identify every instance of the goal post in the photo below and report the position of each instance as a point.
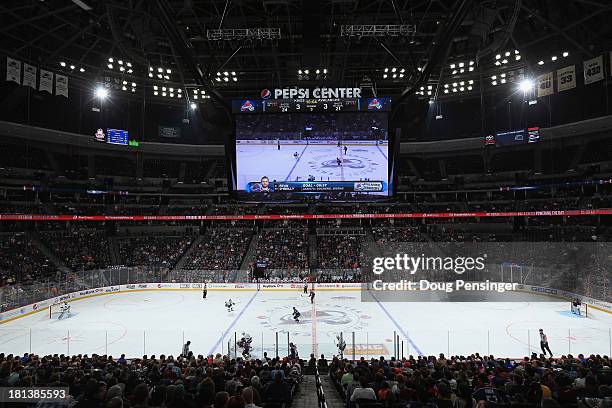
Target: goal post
(55, 310)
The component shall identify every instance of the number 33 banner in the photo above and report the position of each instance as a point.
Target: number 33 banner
(593, 70)
(566, 78)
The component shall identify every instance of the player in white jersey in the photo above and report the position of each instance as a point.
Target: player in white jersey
(229, 305)
(64, 310)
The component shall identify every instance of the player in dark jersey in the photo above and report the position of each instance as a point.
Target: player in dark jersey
(305, 288)
(296, 315)
(204, 291)
(312, 295)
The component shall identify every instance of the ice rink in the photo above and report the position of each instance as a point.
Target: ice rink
(361, 161)
(156, 322)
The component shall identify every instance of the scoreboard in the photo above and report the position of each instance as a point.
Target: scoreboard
(311, 105)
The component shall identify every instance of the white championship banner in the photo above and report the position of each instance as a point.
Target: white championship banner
(61, 85)
(566, 78)
(593, 70)
(46, 81)
(545, 84)
(13, 70)
(29, 75)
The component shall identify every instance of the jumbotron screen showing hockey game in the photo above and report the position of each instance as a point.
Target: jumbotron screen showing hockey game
(337, 156)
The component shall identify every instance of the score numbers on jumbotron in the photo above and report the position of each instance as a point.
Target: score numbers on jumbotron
(311, 105)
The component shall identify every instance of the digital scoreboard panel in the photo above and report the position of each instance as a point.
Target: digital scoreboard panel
(332, 149)
(311, 105)
(117, 136)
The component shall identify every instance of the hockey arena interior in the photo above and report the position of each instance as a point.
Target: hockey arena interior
(306, 203)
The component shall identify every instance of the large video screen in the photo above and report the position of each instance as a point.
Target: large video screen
(336, 156)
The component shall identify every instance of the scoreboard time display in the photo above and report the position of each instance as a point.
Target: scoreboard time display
(311, 105)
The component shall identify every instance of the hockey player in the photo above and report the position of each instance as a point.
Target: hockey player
(64, 310)
(576, 303)
(345, 149)
(312, 295)
(544, 343)
(245, 344)
(305, 288)
(338, 161)
(185, 352)
(230, 305)
(341, 344)
(204, 291)
(296, 315)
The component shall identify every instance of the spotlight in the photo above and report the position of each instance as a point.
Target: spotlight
(565, 54)
(111, 59)
(63, 64)
(81, 69)
(101, 92)
(553, 58)
(193, 106)
(540, 62)
(526, 85)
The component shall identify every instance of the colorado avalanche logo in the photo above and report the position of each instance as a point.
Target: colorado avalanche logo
(247, 106)
(265, 94)
(374, 104)
(100, 135)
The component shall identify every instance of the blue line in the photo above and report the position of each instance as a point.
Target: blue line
(381, 152)
(231, 326)
(296, 163)
(399, 328)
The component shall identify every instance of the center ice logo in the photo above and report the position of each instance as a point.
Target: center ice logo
(347, 319)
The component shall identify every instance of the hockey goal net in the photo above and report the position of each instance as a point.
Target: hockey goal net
(582, 309)
(55, 310)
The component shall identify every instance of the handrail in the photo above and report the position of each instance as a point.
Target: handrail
(320, 393)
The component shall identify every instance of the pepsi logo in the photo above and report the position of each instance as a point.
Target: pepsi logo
(265, 94)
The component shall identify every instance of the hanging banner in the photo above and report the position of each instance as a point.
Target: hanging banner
(46, 81)
(13, 70)
(61, 85)
(29, 75)
(593, 70)
(545, 84)
(566, 78)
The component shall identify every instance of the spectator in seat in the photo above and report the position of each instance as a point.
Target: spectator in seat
(363, 392)
(221, 399)
(278, 391)
(322, 361)
(312, 363)
(247, 394)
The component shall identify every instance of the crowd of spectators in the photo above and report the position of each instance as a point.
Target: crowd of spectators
(339, 251)
(475, 381)
(283, 248)
(190, 381)
(220, 249)
(21, 261)
(156, 251)
(80, 250)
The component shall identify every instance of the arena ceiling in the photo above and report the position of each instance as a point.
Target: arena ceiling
(174, 39)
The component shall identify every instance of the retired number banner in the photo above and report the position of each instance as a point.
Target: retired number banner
(593, 70)
(545, 84)
(566, 78)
